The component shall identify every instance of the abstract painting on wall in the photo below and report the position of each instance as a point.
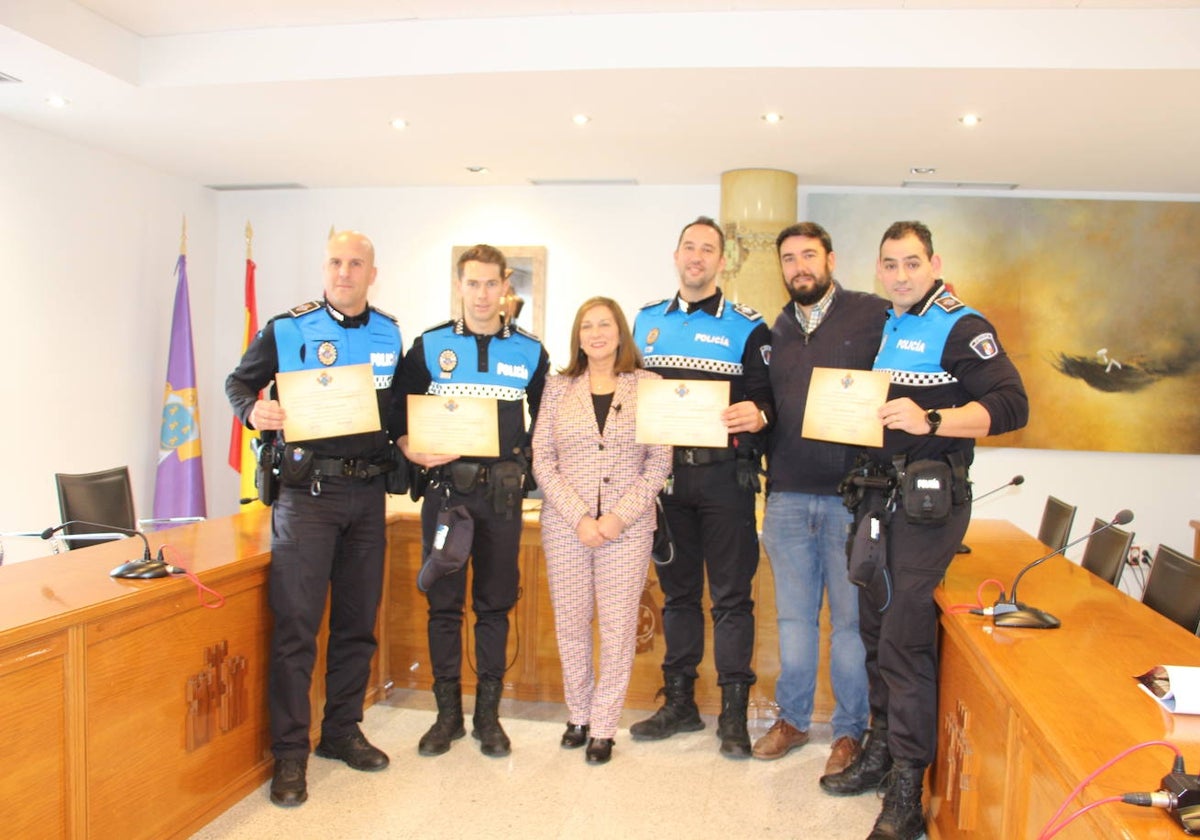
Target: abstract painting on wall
(1097, 303)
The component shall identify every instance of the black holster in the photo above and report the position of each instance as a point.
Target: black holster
(506, 487)
(266, 470)
(396, 480)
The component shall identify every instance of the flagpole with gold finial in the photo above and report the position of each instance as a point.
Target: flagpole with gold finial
(183, 236)
(249, 241)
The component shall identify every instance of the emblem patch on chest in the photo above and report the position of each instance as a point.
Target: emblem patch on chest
(327, 354)
(447, 360)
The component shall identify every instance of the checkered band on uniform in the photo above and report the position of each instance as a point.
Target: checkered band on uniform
(466, 389)
(920, 380)
(692, 363)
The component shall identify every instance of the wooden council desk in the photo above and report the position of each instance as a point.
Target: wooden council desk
(1025, 715)
(128, 710)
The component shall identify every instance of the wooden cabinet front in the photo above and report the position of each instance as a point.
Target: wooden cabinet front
(536, 673)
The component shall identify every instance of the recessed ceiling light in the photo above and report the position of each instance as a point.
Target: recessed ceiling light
(399, 123)
(477, 170)
(772, 117)
(922, 170)
(970, 120)
(581, 119)
(56, 101)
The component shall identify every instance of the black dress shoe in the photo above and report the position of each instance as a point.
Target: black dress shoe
(289, 786)
(599, 750)
(575, 736)
(355, 750)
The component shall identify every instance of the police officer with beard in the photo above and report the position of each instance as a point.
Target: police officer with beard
(709, 504)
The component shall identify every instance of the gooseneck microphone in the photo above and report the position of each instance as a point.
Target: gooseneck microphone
(1009, 612)
(1015, 481)
(1012, 482)
(144, 567)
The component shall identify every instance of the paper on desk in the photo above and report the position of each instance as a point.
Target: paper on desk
(1174, 687)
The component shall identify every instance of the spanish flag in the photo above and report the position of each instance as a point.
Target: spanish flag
(241, 455)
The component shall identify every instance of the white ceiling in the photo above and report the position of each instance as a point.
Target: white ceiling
(1096, 95)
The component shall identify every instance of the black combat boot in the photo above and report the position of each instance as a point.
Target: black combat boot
(867, 772)
(731, 724)
(678, 712)
(486, 722)
(449, 724)
(902, 817)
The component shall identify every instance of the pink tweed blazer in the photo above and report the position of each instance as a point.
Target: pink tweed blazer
(575, 465)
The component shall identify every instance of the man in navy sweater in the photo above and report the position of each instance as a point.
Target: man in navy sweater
(806, 525)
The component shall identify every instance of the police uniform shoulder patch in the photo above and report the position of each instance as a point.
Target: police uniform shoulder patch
(518, 328)
(387, 315)
(304, 308)
(747, 312)
(985, 346)
(948, 303)
(658, 302)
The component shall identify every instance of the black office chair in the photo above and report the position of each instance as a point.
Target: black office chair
(1057, 519)
(104, 497)
(1106, 552)
(1173, 588)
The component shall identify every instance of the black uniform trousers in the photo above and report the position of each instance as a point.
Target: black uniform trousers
(331, 544)
(901, 642)
(494, 586)
(712, 521)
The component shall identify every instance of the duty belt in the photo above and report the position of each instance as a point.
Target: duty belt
(349, 468)
(700, 456)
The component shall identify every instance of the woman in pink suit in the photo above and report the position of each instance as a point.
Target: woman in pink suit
(597, 517)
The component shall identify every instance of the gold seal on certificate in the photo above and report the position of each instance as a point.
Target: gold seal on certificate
(843, 406)
(449, 425)
(682, 412)
(329, 402)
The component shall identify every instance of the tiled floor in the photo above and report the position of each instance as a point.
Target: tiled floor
(679, 787)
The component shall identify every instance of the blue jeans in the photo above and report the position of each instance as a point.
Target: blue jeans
(805, 538)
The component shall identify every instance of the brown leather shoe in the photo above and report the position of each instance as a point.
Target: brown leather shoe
(780, 740)
(843, 752)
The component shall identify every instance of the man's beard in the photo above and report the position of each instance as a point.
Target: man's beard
(809, 296)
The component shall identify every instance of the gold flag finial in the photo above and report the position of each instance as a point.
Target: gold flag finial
(332, 231)
(183, 236)
(249, 240)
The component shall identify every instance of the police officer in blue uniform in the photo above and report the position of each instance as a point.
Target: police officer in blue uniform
(480, 354)
(327, 522)
(951, 382)
(709, 501)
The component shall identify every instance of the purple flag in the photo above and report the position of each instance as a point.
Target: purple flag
(179, 488)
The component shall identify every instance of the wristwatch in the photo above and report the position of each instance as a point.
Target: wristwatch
(934, 419)
(763, 416)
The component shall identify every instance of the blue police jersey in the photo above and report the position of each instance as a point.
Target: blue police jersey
(671, 338)
(312, 338)
(452, 358)
(913, 345)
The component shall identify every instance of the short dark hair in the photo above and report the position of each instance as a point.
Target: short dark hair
(812, 230)
(704, 221)
(628, 358)
(484, 254)
(899, 230)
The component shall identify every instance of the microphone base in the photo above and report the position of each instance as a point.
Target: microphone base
(1022, 615)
